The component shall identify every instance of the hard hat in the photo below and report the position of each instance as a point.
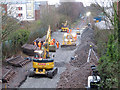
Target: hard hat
(90, 45)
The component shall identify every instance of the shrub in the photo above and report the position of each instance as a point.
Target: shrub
(14, 43)
(19, 37)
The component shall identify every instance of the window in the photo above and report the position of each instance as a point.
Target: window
(20, 15)
(19, 8)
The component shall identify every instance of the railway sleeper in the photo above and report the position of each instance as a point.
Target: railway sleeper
(8, 76)
(24, 62)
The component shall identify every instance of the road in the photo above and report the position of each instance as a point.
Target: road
(62, 57)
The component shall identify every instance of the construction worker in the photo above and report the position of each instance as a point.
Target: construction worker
(75, 38)
(51, 43)
(35, 42)
(70, 30)
(54, 40)
(67, 30)
(39, 45)
(90, 46)
(57, 44)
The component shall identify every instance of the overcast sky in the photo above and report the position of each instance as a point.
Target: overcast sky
(85, 2)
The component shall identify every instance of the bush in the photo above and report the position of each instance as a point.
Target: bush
(14, 43)
(108, 65)
(19, 37)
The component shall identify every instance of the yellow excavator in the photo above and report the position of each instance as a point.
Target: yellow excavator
(42, 63)
(52, 48)
(64, 27)
(68, 40)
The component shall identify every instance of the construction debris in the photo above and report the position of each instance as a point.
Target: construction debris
(17, 61)
(29, 49)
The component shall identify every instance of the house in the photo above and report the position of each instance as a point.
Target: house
(27, 11)
(22, 11)
(40, 7)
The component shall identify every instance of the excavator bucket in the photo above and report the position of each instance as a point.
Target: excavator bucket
(63, 46)
(70, 47)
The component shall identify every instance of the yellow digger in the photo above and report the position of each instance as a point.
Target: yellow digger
(68, 40)
(52, 48)
(64, 27)
(42, 64)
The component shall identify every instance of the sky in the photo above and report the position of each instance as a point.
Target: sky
(85, 2)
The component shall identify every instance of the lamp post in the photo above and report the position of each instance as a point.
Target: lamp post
(88, 14)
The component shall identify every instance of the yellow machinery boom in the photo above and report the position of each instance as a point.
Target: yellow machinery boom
(42, 64)
(51, 48)
(48, 37)
(65, 23)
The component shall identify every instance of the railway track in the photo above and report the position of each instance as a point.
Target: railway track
(8, 75)
(18, 61)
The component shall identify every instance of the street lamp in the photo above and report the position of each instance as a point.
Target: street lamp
(88, 13)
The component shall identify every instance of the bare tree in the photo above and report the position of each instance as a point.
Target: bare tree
(71, 9)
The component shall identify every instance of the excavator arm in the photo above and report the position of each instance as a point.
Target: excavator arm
(48, 37)
(47, 42)
(65, 24)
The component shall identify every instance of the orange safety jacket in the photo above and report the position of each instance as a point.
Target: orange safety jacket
(57, 44)
(35, 43)
(54, 40)
(75, 37)
(51, 43)
(39, 44)
(67, 30)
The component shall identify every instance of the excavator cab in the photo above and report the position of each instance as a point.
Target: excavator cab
(38, 54)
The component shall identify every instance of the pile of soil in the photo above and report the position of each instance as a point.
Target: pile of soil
(77, 78)
(81, 53)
